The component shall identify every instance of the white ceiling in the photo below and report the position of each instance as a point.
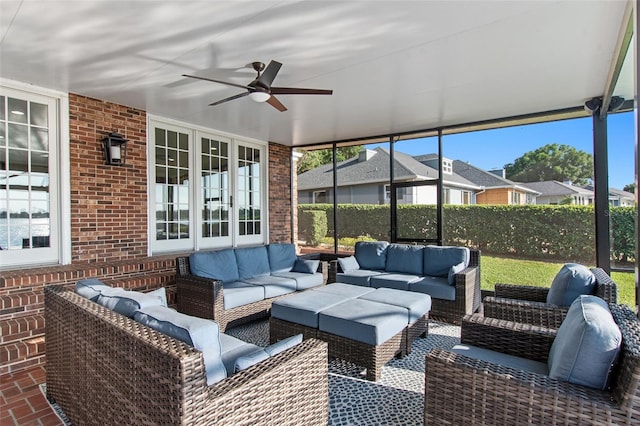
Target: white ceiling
(394, 66)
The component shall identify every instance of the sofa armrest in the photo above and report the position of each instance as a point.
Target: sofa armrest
(333, 270)
(467, 283)
(290, 388)
(462, 390)
(521, 292)
(535, 313)
(200, 297)
(518, 339)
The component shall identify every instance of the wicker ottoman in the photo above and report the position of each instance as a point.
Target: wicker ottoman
(362, 325)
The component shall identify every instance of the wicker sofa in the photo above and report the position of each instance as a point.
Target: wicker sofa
(104, 368)
(424, 269)
(464, 390)
(234, 286)
(528, 304)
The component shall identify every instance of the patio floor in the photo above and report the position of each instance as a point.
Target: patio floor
(397, 398)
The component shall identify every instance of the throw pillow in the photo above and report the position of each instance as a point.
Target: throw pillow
(586, 345)
(571, 281)
(306, 266)
(160, 292)
(454, 270)
(127, 302)
(348, 264)
(91, 288)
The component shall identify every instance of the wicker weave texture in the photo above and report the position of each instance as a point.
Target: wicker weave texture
(468, 296)
(460, 390)
(103, 368)
(527, 304)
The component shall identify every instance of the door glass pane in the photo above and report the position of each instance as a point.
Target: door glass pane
(172, 185)
(24, 175)
(249, 178)
(214, 188)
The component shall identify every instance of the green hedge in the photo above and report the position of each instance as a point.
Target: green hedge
(312, 226)
(560, 233)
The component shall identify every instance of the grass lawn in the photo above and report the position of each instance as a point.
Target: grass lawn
(515, 271)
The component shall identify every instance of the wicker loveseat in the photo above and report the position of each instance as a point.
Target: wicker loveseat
(462, 390)
(104, 368)
(424, 269)
(528, 304)
(234, 286)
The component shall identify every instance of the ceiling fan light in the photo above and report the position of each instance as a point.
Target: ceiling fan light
(259, 96)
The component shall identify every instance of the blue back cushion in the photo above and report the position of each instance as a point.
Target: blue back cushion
(371, 254)
(404, 258)
(571, 281)
(438, 260)
(586, 345)
(281, 257)
(252, 262)
(219, 265)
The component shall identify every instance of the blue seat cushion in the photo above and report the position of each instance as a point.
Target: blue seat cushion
(348, 291)
(570, 282)
(303, 308)
(499, 358)
(416, 304)
(397, 281)
(436, 287)
(218, 265)
(200, 333)
(232, 349)
(303, 281)
(252, 262)
(371, 254)
(587, 344)
(273, 285)
(239, 293)
(404, 258)
(439, 259)
(306, 266)
(362, 320)
(357, 277)
(128, 302)
(282, 256)
(348, 264)
(90, 288)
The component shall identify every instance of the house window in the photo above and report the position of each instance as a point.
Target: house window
(466, 197)
(319, 197)
(29, 178)
(447, 166)
(209, 189)
(530, 199)
(515, 197)
(447, 196)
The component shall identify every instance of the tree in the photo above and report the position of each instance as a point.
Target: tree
(630, 187)
(552, 162)
(312, 159)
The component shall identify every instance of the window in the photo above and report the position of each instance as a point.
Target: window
(466, 197)
(447, 166)
(319, 197)
(29, 182)
(515, 197)
(209, 189)
(447, 196)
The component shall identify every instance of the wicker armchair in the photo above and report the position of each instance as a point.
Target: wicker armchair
(104, 368)
(460, 390)
(527, 304)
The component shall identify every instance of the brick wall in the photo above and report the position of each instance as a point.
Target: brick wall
(108, 203)
(280, 193)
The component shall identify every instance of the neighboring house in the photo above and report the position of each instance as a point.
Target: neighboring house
(554, 192)
(618, 197)
(365, 180)
(496, 189)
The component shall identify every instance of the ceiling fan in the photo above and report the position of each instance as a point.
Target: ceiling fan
(260, 89)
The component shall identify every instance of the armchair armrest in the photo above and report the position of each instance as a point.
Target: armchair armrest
(467, 283)
(462, 390)
(518, 339)
(535, 313)
(521, 292)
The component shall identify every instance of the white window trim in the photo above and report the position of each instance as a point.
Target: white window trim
(63, 164)
(235, 141)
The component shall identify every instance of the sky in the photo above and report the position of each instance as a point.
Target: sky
(491, 149)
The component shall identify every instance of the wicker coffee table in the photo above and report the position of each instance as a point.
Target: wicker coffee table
(363, 325)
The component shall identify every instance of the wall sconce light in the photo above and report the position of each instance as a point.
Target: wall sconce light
(115, 149)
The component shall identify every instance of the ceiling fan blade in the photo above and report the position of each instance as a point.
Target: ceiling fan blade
(299, 91)
(230, 98)
(269, 73)
(274, 102)
(216, 81)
